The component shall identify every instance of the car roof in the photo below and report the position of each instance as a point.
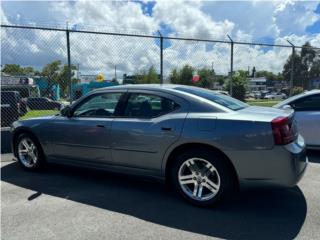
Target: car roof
(172, 87)
(10, 92)
(142, 86)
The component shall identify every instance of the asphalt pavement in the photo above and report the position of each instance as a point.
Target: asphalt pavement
(74, 203)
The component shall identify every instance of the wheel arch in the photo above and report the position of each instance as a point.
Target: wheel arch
(195, 145)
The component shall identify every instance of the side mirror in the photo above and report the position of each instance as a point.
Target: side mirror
(287, 107)
(66, 111)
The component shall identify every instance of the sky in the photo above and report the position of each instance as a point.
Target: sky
(252, 21)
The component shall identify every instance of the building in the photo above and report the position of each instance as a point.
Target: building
(45, 88)
(278, 86)
(87, 78)
(17, 79)
(257, 84)
(81, 89)
(48, 89)
(315, 83)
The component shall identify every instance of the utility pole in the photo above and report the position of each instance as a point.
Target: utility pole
(161, 57)
(212, 75)
(231, 65)
(69, 63)
(115, 72)
(292, 67)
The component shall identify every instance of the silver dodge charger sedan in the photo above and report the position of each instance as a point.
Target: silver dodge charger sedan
(203, 143)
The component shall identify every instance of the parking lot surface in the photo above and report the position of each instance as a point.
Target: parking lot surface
(73, 203)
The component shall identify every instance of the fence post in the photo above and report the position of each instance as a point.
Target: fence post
(69, 65)
(231, 65)
(292, 67)
(161, 57)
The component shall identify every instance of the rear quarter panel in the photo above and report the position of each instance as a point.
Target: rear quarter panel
(226, 131)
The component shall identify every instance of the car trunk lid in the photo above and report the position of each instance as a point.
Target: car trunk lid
(267, 113)
(282, 121)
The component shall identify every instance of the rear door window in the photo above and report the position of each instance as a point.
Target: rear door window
(141, 105)
(310, 103)
(218, 98)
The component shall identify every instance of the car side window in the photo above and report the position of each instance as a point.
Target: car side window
(311, 103)
(140, 105)
(98, 106)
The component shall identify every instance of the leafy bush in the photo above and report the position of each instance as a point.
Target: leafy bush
(239, 85)
(297, 90)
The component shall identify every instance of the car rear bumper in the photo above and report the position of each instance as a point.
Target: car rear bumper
(281, 165)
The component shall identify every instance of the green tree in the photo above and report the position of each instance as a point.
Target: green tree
(63, 79)
(206, 78)
(12, 69)
(29, 71)
(186, 74)
(182, 76)
(296, 70)
(15, 69)
(52, 71)
(58, 74)
(306, 66)
(175, 76)
(148, 77)
(239, 85)
(220, 79)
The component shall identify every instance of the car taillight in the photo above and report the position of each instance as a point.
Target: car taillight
(284, 131)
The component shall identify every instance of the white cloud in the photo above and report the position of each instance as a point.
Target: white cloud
(187, 19)
(116, 16)
(265, 18)
(100, 53)
(295, 17)
(4, 19)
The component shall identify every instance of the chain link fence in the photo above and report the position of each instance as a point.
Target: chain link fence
(43, 69)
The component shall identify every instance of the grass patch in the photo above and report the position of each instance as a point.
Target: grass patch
(39, 113)
(263, 103)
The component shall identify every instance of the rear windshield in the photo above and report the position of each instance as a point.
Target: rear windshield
(218, 98)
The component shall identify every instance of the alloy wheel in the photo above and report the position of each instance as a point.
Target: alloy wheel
(28, 152)
(199, 179)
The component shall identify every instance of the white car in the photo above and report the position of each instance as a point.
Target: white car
(275, 96)
(307, 115)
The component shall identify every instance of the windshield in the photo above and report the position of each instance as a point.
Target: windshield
(221, 99)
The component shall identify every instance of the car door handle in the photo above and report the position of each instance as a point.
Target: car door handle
(100, 125)
(167, 129)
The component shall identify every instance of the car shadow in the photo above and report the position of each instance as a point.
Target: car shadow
(253, 214)
(314, 156)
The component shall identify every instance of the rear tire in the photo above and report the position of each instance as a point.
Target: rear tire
(202, 177)
(29, 152)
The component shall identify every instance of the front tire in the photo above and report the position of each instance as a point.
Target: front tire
(29, 152)
(203, 178)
